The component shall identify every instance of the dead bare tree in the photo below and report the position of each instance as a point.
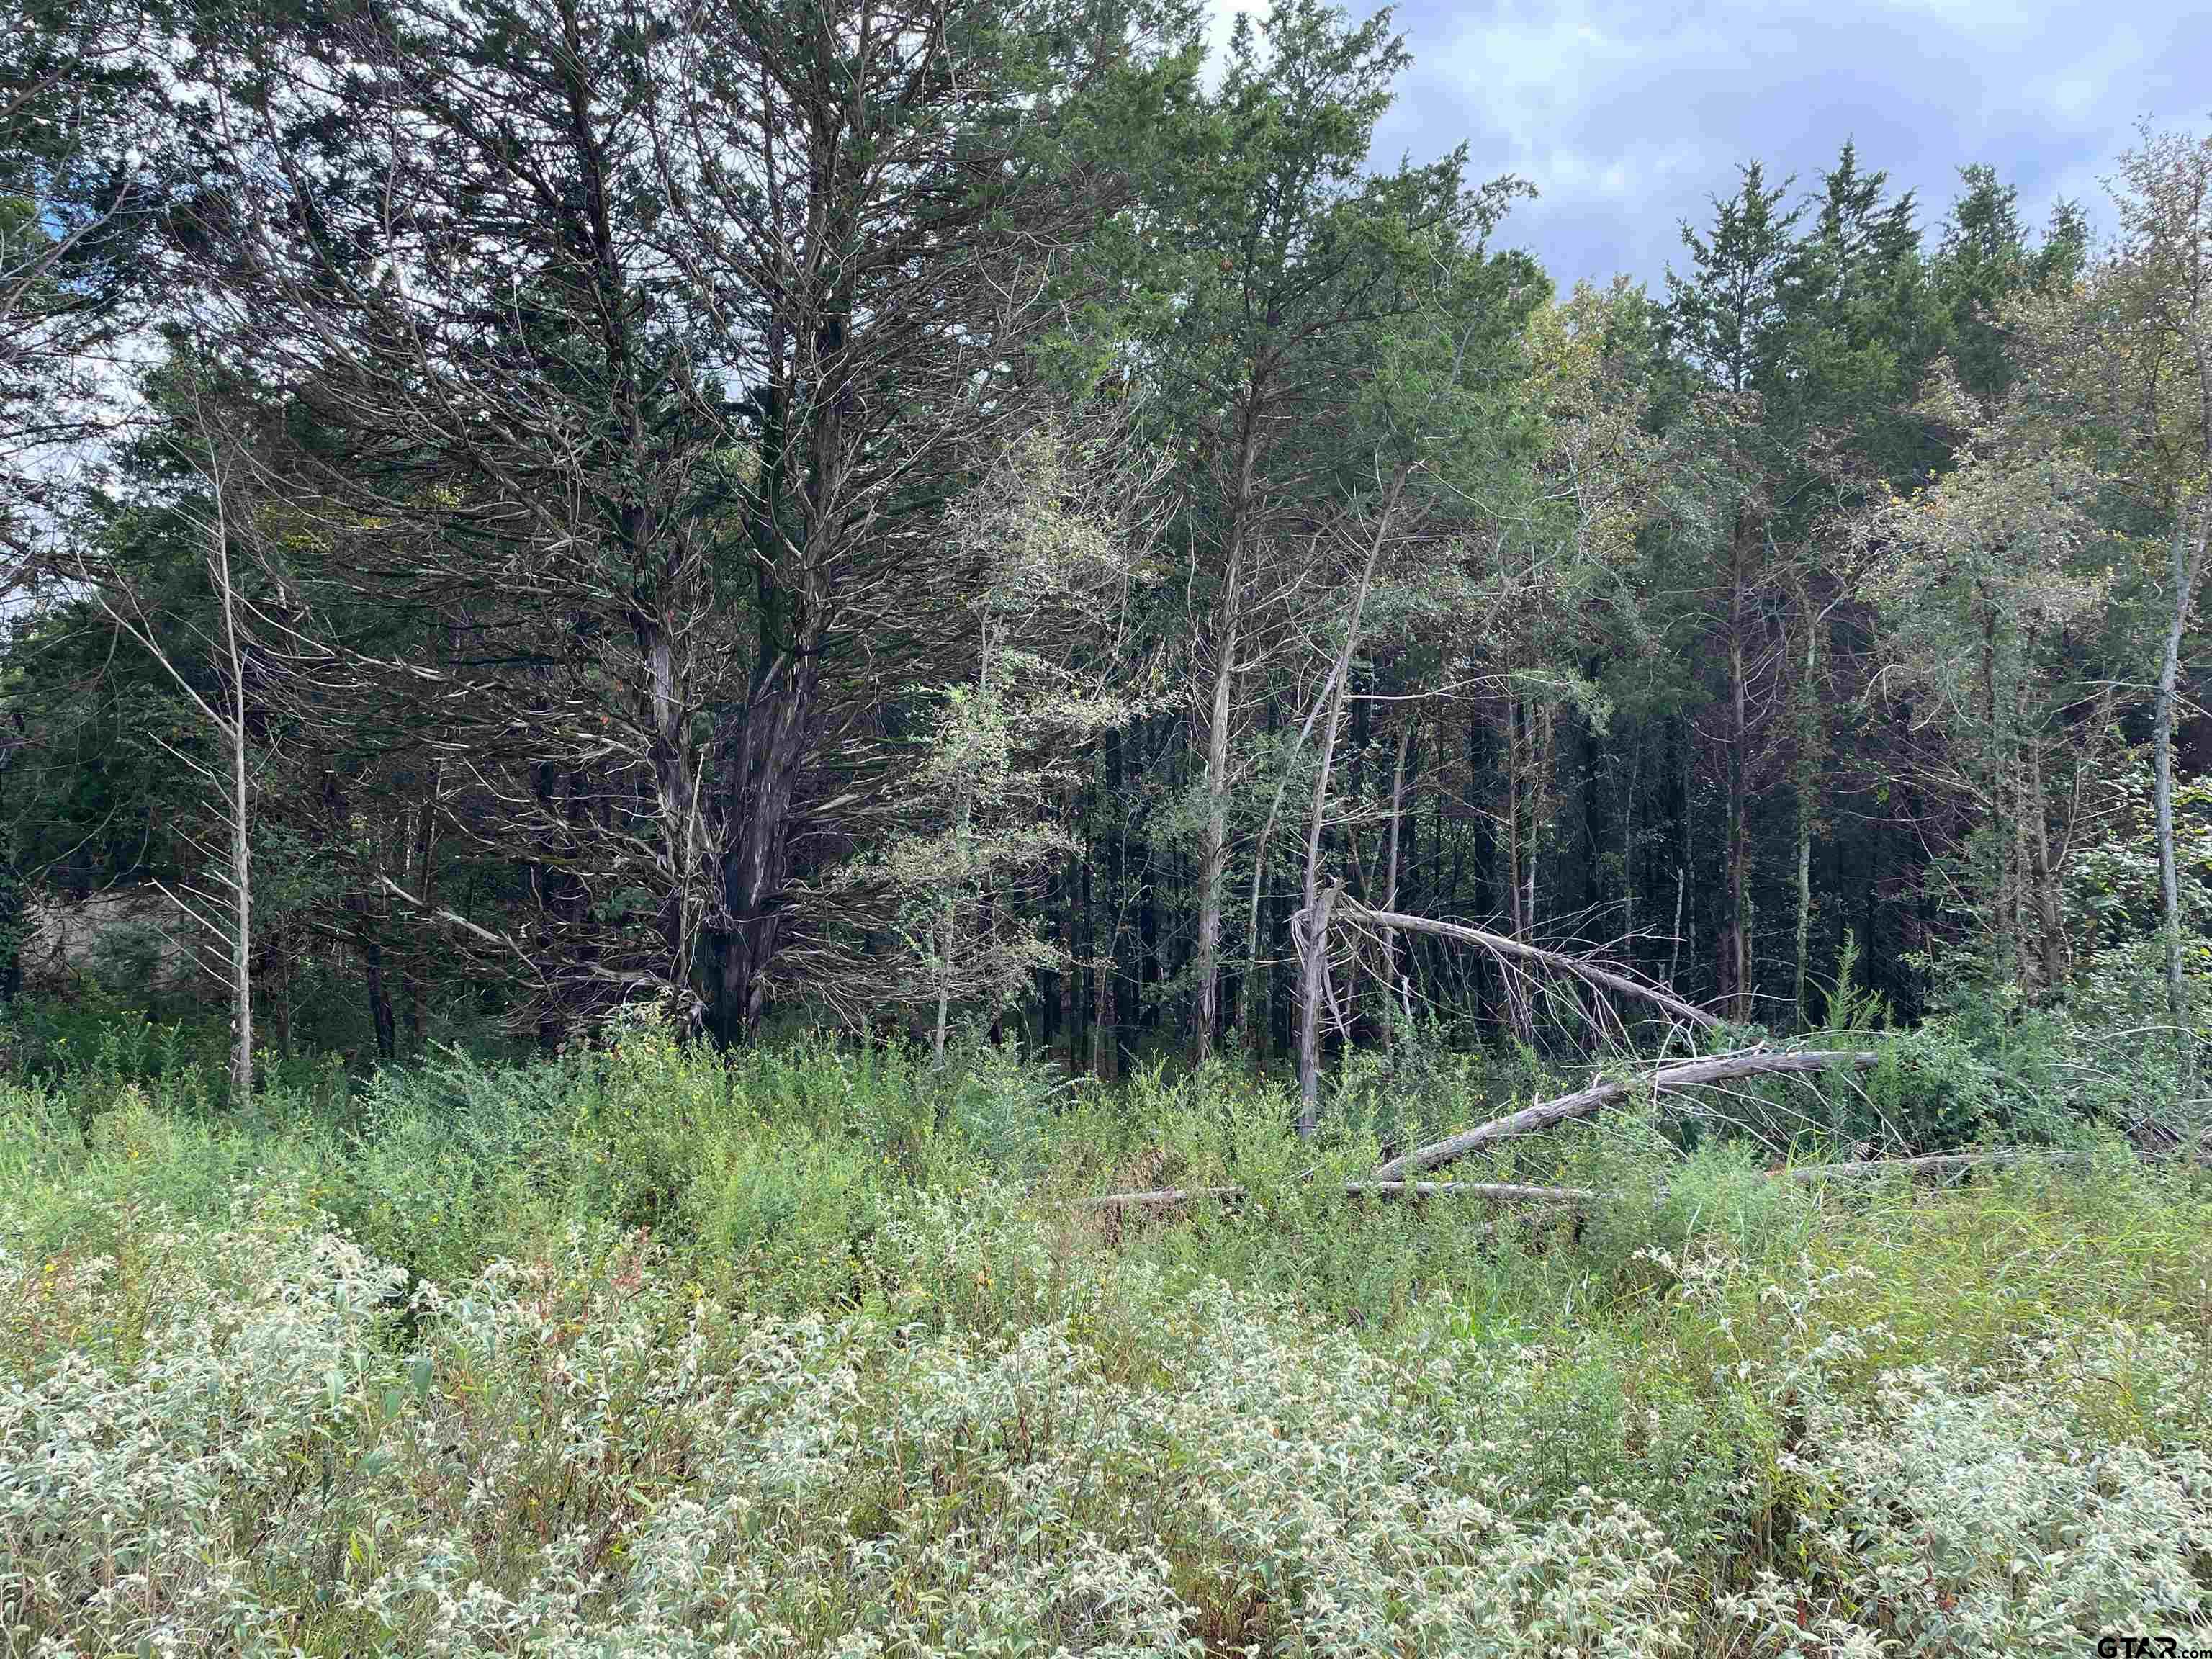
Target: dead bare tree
(1310, 927)
(225, 913)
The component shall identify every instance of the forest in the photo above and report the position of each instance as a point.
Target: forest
(909, 828)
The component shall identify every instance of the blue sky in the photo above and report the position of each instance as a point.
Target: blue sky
(1628, 116)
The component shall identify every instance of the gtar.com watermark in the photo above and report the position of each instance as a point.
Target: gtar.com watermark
(2148, 1647)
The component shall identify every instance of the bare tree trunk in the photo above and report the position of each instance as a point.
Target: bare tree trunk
(2005, 909)
(1310, 929)
(2185, 568)
(2025, 896)
(1517, 1011)
(1628, 837)
(1101, 960)
(2049, 912)
(1069, 946)
(1313, 936)
(241, 874)
(1674, 956)
(422, 868)
(1250, 989)
(1213, 831)
(1804, 918)
(1390, 975)
(1539, 767)
(1808, 784)
(227, 722)
(1682, 734)
(1517, 921)
(1736, 949)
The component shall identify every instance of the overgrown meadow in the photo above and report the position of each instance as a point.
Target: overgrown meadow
(808, 1350)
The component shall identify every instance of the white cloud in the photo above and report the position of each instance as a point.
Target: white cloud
(1628, 116)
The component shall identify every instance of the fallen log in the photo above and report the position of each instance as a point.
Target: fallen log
(1503, 1192)
(1514, 1192)
(1168, 1198)
(1165, 1198)
(1682, 1074)
(1589, 972)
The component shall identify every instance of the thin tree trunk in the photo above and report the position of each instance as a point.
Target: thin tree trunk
(1214, 832)
(1809, 784)
(2049, 912)
(1682, 940)
(1069, 924)
(2185, 568)
(1539, 722)
(1736, 951)
(2002, 850)
(1517, 918)
(1628, 837)
(1249, 988)
(1516, 1006)
(1313, 936)
(1674, 956)
(241, 875)
(1804, 918)
(1309, 931)
(422, 868)
(1390, 975)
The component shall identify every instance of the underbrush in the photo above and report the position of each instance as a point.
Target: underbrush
(639, 1352)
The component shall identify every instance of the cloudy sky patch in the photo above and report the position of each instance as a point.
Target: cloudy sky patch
(1629, 118)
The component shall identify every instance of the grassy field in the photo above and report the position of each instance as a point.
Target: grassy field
(643, 1353)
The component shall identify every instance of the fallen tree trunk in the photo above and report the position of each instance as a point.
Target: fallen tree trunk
(1168, 1198)
(1503, 1192)
(1683, 1074)
(1587, 971)
(1164, 1198)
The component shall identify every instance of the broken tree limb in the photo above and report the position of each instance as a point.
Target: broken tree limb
(1559, 962)
(1683, 1074)
(1162, 1198)
(1498, 1192)
(1502, 1192)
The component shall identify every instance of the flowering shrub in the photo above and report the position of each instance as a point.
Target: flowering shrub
(736, 1381)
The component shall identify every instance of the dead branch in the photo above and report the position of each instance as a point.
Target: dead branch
(1683, 1074)
(1580, 967)
(1501, 1192)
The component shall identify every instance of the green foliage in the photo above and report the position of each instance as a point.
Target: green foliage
(781, 1354)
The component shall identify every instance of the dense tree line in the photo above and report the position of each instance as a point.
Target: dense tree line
(952, 515)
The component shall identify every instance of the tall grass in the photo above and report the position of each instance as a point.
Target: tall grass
(644, 1351)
